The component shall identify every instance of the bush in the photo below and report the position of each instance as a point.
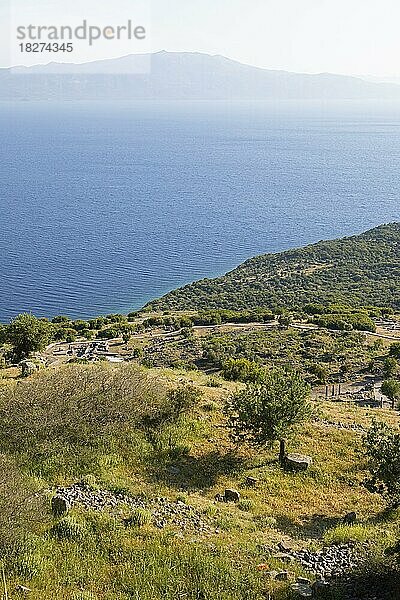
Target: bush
(139, 518)
(69, 528)
(395, 350)
(244, 370)
(246, 505)
(91, 405)
(343, 534)
(382, 445)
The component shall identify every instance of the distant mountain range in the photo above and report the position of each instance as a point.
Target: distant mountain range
(362, 270)
(181, 76)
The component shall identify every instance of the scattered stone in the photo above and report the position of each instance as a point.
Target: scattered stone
(60, 505)
(343, 426)
(330, 562)
(231, 496)
(284, 557)
(297, 462)
(321, 589)
(284, 546)
(163, 511)
(303, 590)
(219, 498)
(303, 581)
(251, 481)
(282, 576)
(350, 518)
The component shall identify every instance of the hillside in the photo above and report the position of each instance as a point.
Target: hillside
(362, 270)
(142, 518)
(167, 76)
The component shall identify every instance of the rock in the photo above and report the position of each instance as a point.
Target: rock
(297, 462)
(321, 589)
(282, 576)
(284, 546)
(303, 581)
(28, 368)
(219, 498)
(231, 496)
(163, 511)
(59, 505)
(271, 574)
(350, 518)
(284, 557)
(303, 590)
(251, 481)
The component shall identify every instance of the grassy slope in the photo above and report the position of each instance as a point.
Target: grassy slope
(114, 563)
(359, 270)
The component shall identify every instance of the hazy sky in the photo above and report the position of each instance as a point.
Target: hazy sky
(359, 37)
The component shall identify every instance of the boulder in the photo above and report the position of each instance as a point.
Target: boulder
(350, 518)
(231, 496)
(28, 368)
(303, 581)
(282, 576)
(322, 589)
(297, 462)
(284, 557)
(59, 505)
(251, 481)
(302, 590)
(269, 574)
(284, 546)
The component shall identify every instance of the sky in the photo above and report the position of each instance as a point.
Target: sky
(353, 37)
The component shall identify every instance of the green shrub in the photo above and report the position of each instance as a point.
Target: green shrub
(213, 383)
(28, 557)
(242, 369)
(139, 518)
(246, 504)
(69, 528)
(382, 446)
(210, 406)
(90, 482)
(343, 534)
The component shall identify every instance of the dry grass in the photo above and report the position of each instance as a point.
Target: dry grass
(113, 563)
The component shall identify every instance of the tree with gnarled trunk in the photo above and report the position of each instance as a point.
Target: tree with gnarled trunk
(267, 412)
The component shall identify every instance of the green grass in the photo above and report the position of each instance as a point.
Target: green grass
(94, 555)
(343, 534)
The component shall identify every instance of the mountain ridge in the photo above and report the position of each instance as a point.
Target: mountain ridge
(181, 76)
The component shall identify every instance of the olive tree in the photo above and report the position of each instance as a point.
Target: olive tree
(28, 334)
(391, 389)
(266, 412)
(382, 445)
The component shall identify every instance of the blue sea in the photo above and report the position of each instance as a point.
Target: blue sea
(105, 207)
